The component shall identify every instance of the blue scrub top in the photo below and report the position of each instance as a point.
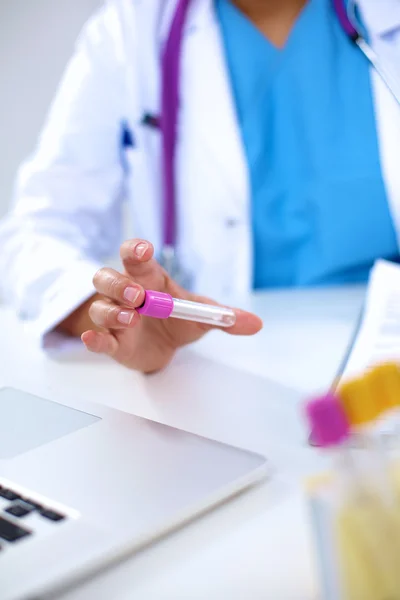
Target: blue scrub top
(319, 207)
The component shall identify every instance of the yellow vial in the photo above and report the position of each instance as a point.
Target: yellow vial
(359, 402)
(384, 381)
(367, 398)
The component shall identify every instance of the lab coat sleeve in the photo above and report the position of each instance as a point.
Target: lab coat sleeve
(66, 217)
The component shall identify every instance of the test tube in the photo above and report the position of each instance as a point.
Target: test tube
(160, 305)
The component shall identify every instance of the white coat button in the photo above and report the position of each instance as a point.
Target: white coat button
(231, 223)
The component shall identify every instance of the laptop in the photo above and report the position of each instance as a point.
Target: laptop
(83, 486)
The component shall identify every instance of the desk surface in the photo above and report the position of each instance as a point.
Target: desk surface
(258, 546)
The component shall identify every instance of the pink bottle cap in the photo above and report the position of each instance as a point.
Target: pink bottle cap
(328, 421)
(157, 305)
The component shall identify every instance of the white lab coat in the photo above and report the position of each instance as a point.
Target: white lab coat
(68, 212)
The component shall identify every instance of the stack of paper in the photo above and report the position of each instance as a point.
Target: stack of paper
(378, 336)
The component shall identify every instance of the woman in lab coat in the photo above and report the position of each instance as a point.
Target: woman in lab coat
(285, 166)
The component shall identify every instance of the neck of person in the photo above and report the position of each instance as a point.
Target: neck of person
(274, 18)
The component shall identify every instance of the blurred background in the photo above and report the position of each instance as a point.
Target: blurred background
(36, 40)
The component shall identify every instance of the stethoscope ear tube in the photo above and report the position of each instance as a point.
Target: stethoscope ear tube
(342, 12)
(391, 82)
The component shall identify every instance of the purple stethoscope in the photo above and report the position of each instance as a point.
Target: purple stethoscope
(169, 115)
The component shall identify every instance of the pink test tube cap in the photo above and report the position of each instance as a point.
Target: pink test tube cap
(158, 305)
(328, 421)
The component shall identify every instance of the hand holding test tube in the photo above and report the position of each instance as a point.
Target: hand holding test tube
(160, 305)
(132, 325)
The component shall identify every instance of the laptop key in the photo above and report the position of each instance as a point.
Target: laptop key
(21, 509)
(9, 494)
(51, 515)
(10, 532)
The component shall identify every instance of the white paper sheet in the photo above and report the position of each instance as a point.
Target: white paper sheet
(378, 337)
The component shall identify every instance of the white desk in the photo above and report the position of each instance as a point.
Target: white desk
(257, 546)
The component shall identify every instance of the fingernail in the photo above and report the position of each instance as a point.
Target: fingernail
(125, 317)
(140, 249)
(131, 294)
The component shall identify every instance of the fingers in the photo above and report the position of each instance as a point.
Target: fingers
(246, 323)
(100, 343)
(118, 287)
(137, 253)
(108, 315)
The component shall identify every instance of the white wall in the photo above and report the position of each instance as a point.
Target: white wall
(36, 40)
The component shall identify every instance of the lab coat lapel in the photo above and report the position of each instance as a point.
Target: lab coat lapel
(382, 22)
(212, 177)
(388, 120)
(208, 97)
(381, 17)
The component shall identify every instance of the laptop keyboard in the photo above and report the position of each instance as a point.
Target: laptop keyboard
(14, 511)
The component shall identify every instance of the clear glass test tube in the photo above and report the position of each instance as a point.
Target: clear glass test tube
(160, 305)
(203, 313)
